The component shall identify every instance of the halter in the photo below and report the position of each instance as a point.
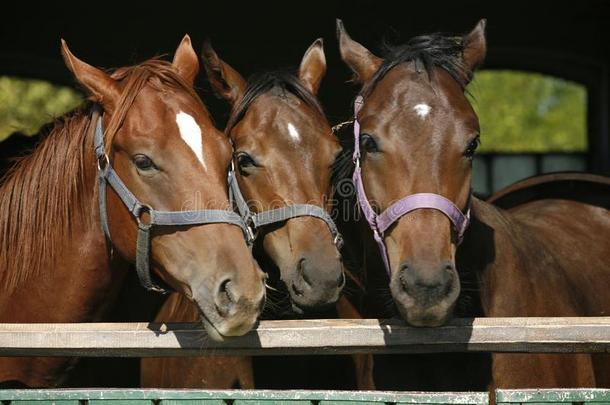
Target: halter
(258, 220)
(107, 176)
(379, 223)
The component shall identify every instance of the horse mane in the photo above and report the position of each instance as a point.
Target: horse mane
(262, 83)
(427, 52)
(42, 195)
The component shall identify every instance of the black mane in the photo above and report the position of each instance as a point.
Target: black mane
(262, 83)
(426, 51)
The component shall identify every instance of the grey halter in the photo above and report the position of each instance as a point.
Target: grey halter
(107, 176)
(258, 220)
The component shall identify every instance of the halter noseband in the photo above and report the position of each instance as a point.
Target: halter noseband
(107, 176)
(379, 223)
(257, 220)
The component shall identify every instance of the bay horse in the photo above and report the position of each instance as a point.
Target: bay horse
(65, 249)
(414, 138)
(284, 154)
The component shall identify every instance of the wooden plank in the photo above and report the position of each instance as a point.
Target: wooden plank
(335, 336)
(188, 396)
(596, 396)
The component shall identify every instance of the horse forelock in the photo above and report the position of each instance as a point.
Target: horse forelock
(427, 52)
(282, 83)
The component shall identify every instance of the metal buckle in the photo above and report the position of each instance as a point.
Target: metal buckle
(160, 290)
(377, 235)
(106, 163)
(251, 232)
(338, 241)
(139, 210)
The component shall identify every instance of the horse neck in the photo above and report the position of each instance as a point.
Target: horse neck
(79, 281)
(498, 254)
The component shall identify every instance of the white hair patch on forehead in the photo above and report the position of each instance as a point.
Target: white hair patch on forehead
(190, 132)
(422, 110)
(294, 134)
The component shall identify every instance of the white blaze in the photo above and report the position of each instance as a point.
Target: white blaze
(190, 133)
(294, 134)
(422, 110)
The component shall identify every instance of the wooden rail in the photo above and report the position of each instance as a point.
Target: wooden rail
(336, 336)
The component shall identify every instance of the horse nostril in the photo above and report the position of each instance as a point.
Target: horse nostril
(433, 280)
(302, 271)
(403, 275)
(299, 292)
(225, 289)
(224, 297)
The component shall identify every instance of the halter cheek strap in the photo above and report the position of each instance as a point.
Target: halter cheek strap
(379, 223)
(258, 220)
(108, 177)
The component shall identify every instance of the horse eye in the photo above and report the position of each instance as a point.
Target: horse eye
(368, 144)
(244, 161)
(472, 147)
(143, 162)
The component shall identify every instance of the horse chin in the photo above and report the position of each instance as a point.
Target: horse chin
(212, 332)
(316, 309)
(220, 331)
(436, 315)
(427, 320)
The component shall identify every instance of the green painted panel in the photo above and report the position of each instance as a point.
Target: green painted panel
(349, 403)
(46, 402)
(202, 401)
(546, 403)
(127, 401)
(271, 402)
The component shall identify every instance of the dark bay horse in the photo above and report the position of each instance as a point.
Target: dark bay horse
(417, 136)
(56, 265)
(284, 154)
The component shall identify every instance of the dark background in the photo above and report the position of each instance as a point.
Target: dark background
(566, 39)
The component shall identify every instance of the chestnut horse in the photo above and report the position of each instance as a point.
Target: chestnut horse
(57, 265)
(417, 137)
(284, 154)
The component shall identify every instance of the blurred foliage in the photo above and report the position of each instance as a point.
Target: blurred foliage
(26, 105)
(529, 112)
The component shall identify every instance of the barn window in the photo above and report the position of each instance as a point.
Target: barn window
(530, 124)
(26, 104)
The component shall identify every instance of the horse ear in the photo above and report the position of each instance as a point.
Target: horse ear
(98, 84)
(362, 62)
(225, 80)
(186, 61)
(475, 46)
(313, 66)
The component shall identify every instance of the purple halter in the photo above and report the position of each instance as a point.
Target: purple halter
(380, 223)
